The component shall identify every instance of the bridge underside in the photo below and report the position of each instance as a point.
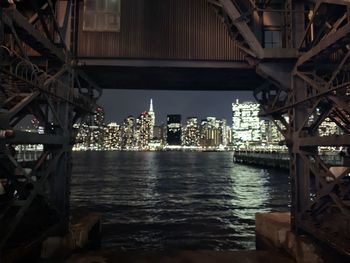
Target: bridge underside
(172, 75)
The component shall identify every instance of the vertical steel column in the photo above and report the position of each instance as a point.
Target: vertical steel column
(60, 182)
(299, 170)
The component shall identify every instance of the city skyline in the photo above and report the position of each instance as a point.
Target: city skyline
(210, 133)
(119, 104)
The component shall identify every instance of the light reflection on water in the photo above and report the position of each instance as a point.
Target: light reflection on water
(168, 200)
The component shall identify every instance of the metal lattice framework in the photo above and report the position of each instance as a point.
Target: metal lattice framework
(299, 94)
(320, 88)
(38, 79)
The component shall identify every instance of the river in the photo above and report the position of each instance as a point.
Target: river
(176, 200)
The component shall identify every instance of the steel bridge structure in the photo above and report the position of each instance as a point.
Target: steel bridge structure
(300, 79)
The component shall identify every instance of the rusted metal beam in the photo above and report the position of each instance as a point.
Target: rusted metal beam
(35, 17)
(242, 27)
(32, 36)
(335, 141)
(327, 45)
(164, 63)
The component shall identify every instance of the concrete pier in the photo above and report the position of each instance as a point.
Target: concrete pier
(276, 159)
(273, 233)
(275, 243)
(85, 232)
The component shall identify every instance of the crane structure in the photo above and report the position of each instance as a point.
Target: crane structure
(297, 52)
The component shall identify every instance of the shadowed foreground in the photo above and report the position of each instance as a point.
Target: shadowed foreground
(107, 256)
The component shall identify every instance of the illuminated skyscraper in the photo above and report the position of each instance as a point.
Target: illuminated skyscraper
(328, 128)
(153, 118)
(128, 133)
(211, 132)
(144, 130)
(98, 117)
(273, 135)
(223, 132)
(246, 124)
(82, 138)
(90, 134)
(173, 130)
(229, 135)
(112, 137)
(191, 132)
(96, 141)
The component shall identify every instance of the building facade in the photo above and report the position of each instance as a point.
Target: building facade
(246, 124)
(191, 134)
(128, 133)
(144, 130)
(173, 136)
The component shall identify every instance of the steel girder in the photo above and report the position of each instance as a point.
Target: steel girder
(43, 85)
(299, 95)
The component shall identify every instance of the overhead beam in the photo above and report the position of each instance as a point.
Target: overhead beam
(164, 63)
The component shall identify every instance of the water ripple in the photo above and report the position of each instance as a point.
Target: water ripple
(168, 200)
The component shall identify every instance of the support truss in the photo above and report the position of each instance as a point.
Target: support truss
(300, 98)
(322, 197)
(319, 91)
(38, 80)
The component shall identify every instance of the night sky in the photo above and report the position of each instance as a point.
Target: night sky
(119, 104)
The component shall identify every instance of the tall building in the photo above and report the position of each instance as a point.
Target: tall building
(211, 134)
(191, 133)
(273, 135)
(229, 135)
(246, 124)
(152, 117)
(91, 133)
(173, 130)
(328, 128)
(82, 137)
(128, 133)
(98, 118)
(144, 130)
(223, 130)
(112, 137)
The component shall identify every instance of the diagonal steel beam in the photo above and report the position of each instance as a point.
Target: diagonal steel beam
(27, 203)
(24, 102)
(242, 27)
(35, 17)
(33, 38)
(341, 36)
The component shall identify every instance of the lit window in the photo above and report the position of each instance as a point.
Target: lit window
(101, 15)
(272, 39)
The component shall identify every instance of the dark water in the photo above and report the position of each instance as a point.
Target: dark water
(176, 200)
